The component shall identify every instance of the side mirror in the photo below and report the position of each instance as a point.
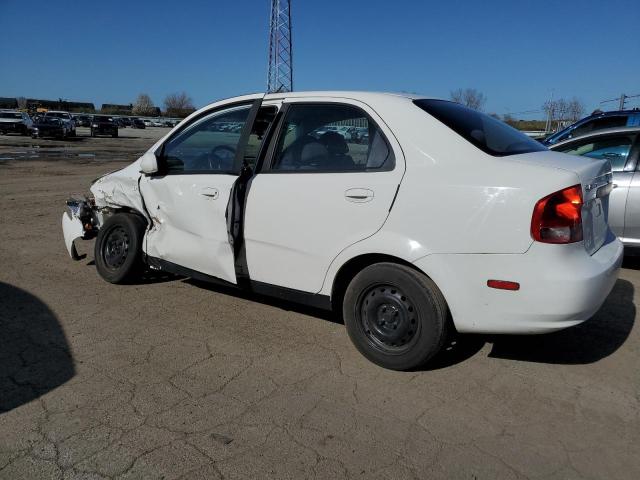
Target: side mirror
(149, 163)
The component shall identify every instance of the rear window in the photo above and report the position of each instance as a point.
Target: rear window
(488, 134)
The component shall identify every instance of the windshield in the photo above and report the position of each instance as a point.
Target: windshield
(51, 120)
(10, 115)
(488, 134)
(56, 115)
(102, 119)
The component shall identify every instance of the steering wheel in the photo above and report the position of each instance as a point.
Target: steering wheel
(222, 157)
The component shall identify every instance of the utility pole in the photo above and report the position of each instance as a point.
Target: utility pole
(280, 48)
(548, 125)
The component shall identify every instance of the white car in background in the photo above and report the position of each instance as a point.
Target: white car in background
(444, 218)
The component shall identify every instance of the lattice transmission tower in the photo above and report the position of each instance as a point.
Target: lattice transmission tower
(280, 48)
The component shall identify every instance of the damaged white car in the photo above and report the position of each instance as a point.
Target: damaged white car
(411, 216)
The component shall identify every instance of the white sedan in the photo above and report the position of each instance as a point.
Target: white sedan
(443, 218)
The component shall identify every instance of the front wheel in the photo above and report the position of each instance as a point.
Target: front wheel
(395, 316)
(118, 249)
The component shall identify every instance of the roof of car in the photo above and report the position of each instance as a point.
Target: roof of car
(356, 95)
(55, 111)
(597, 133)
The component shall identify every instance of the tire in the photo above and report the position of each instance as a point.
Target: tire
(114, 135)
(395, 316)
(93, 134)
(118, 248)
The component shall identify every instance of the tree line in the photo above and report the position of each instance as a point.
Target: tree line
(175, 105)
(558, 112)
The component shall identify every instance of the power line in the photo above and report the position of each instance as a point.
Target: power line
(622, 99)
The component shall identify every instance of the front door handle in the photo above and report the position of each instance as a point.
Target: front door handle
(210, 192)
(359, 195)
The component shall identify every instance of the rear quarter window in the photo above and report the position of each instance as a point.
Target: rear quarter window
(488, 134)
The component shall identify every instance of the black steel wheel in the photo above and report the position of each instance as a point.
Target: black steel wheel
(387, 318)
(395, 316)
(118, 249)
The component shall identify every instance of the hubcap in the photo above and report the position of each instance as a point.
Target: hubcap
(388, 318)
(116, 248)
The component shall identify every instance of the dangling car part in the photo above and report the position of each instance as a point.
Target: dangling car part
(81, 220)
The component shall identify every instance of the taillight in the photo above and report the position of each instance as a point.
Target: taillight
(557, 218)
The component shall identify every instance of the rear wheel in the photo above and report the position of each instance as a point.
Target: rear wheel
(118, 249)
(395, 316)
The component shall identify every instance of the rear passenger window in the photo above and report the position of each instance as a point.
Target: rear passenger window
(331, 138)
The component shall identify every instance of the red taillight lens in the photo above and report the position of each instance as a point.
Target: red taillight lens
(557, 218)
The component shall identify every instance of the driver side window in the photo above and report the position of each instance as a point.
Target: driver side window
(208, 145)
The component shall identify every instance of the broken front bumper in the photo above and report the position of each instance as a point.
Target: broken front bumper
(79, 221)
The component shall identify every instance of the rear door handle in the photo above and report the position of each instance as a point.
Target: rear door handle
(359, 195)
(210, 192)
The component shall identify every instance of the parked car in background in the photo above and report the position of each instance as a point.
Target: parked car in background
(157, 123)
(50, 126)
(125, 122)
(83, 121)
(137, 123)
(103, 125)
(621, 147)
(148, 122)
(445, 218)
(13, 121)
(66, 118)
(594, 122)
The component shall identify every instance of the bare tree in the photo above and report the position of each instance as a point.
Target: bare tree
(469, 97)
(22, 103)
(143, 105)
(562, 111)
(178, 101)
(575, 109)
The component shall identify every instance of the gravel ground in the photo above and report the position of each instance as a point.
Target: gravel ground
(174, 378)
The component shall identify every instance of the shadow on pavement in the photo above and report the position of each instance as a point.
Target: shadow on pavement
(34, 354)
(588, 342)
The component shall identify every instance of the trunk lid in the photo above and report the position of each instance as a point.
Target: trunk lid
(596, 179)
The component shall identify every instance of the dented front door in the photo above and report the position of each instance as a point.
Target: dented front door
(187, 200)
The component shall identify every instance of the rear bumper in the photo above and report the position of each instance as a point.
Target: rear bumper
(560, 286)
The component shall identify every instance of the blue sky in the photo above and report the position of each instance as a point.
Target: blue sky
(515, 52)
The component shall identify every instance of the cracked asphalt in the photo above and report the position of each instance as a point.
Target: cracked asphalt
(173, 378)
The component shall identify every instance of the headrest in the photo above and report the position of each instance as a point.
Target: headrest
(336, 144)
